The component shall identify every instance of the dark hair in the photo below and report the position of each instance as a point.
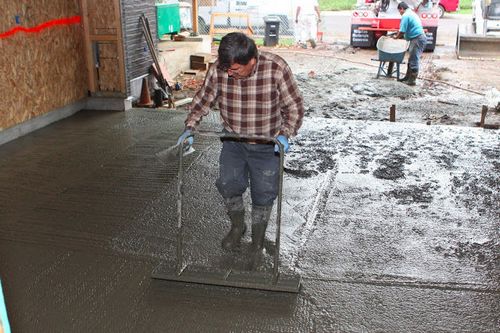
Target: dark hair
(236, 47)
(403, 5)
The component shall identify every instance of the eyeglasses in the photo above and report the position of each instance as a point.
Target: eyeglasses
(238, 70)
(235, 68)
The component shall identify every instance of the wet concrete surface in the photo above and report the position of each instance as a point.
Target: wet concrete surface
(393, 227)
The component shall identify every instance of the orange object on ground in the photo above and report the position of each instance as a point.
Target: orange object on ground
(319, 36)
(145, 99)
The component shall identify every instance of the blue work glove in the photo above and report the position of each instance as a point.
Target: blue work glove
(284, 141)
(186, 135)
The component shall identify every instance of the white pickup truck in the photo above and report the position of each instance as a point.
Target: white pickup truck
(256, 9)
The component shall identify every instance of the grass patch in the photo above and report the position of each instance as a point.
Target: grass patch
(465, 11)
(337, 4)
(465, 5)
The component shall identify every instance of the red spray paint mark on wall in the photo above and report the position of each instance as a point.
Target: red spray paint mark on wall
(40, 27)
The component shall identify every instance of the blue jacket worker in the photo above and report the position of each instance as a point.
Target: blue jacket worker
(412, 30)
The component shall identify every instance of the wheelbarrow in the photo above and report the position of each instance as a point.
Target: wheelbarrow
(390, 51)
(182, 272)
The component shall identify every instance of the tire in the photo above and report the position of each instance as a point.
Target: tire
(441, 11)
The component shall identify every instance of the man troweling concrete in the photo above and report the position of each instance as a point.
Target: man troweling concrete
(257, 96)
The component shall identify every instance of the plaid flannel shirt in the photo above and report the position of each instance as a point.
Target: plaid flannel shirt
(266, 103)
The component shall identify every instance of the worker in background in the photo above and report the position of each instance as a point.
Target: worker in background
(257, 96)
(307, 18)
(424, 5)
(411, 29)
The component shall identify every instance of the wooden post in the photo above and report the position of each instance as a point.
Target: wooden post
(194, 18)
(392, 114)
(92, 82)
(119, 43)
(484, 111)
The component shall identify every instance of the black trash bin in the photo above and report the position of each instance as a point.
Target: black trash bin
(272, 31)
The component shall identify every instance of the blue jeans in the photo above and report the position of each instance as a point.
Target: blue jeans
(417, 46)
(243, 163)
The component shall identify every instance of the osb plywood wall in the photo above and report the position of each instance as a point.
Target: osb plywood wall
(102, 19)
(104, 29)
(108, 79)
(39, 71)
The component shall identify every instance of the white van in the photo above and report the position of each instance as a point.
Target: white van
(256, 9)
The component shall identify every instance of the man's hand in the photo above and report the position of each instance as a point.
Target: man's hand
(186, 135)
(284, 141)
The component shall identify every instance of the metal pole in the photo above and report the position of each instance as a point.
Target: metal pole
(278, 213)
(392, 113)
(484, 111)
(194, 16)
(179, 260)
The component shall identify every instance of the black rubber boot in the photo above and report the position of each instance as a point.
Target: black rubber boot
(233, 238)
(260, 219)
(236, 213)
(407, 75)
(412, 79)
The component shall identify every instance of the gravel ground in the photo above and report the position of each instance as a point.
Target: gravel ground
(340, 82)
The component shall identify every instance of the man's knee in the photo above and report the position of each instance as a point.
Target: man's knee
(229, 188)
(265, 187)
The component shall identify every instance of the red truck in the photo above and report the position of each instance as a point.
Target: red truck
(448, 6)
(373, 19)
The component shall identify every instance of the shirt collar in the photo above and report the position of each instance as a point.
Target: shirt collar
(254, 70)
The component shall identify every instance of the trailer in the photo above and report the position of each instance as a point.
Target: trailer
(372, 19)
